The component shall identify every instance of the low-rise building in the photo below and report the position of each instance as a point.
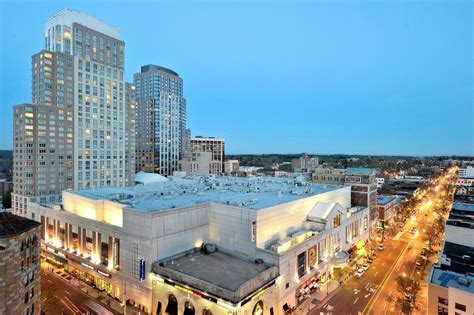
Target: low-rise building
(199, 163)
(20, 272)
(231, 167)
(210, 144)
(304, 164)
(387, 206)
(326, 175)
(466, 172)
(450, 284)
(275, 238)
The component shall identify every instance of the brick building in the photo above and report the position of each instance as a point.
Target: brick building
(19, 265)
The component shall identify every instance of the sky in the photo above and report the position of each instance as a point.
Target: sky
(324, 77)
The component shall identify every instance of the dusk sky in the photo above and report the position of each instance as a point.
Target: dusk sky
(378, 77)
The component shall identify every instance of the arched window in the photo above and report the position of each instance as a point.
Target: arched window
(206, 311)
(188, 308)
(172, 307)
(258, 308)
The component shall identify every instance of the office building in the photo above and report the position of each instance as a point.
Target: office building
(450, 283)
(210, 144)
(231, 167)
(275, 237)
(466, 172)
(304, 164)
(161, 119)
(327, 175)
(20, 289)
(73, 134)
(363, 189)
(199, 163)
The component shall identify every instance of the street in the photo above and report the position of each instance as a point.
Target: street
(377, 291)
(71, 300)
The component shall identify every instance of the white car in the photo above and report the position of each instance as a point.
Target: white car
(381, 247)
(365, 266)
(359, 272)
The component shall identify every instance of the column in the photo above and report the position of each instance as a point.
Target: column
(83, 241)
(110, 256)
(69, 236)
(99, 246)
(66, 236)
(94, 244)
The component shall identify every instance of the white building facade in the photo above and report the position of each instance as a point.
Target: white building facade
(115, 238)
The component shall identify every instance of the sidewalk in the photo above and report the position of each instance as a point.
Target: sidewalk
(319, 297)
(100, 297)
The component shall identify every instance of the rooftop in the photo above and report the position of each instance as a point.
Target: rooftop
(217, 273)
(359, 171)
(251, 193)
(68, 17)
(12, 225)
(385, 199)
(158, 68)
(461, 258)
(450, 279)
(463, 206)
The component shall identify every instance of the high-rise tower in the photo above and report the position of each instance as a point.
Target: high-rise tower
(161, 119)
(73, 135)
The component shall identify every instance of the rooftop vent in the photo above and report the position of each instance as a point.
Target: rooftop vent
(464, 281)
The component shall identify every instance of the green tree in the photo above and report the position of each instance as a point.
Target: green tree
(7, 200)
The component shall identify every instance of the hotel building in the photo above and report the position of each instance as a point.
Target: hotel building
(73, 135)
(206, 244)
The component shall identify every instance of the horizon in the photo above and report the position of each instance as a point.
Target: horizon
(398, 68)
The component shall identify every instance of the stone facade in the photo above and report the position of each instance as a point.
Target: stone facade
(20, 272)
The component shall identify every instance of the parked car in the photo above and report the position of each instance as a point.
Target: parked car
(365, 266)
(369, 260)
(420, 261)
(381, 247)
(359, 272)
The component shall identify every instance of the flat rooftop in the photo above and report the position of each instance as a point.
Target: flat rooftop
(450, 279)
(463, 206)
(251, 193)
(384, 199)
(359, 171)
(12, 225)
(218, 268)
(218, 273)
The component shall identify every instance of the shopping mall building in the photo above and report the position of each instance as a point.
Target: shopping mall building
(204, 244)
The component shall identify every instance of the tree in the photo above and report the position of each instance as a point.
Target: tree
(7, 200)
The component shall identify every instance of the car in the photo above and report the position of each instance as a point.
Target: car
(359, 272)
(413, 230)
(408, 297)
(381, 247)
(420, 261)
(369, 260)
(365, 266)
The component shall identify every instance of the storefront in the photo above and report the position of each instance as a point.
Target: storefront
(305, 289)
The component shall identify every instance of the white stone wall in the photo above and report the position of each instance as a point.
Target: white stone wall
(279, 221)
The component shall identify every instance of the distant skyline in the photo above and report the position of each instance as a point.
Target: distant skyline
(377, 78)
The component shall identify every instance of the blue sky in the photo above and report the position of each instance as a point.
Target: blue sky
(378, 77)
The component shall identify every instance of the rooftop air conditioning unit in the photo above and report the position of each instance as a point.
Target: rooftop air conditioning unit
(464, 281)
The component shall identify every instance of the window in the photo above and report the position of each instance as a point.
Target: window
(460, 307)
(442, 301)
(336, 221)
(442, 310)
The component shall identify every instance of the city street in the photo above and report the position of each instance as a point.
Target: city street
(377, 291)
(72, 300)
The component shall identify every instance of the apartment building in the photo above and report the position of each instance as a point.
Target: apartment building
(327, 175)
(231, 167)
(450, 283)
(210, 144)
(199, 163)
(161, 120)
(144, 244)
(20, 288)
(73, 135)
